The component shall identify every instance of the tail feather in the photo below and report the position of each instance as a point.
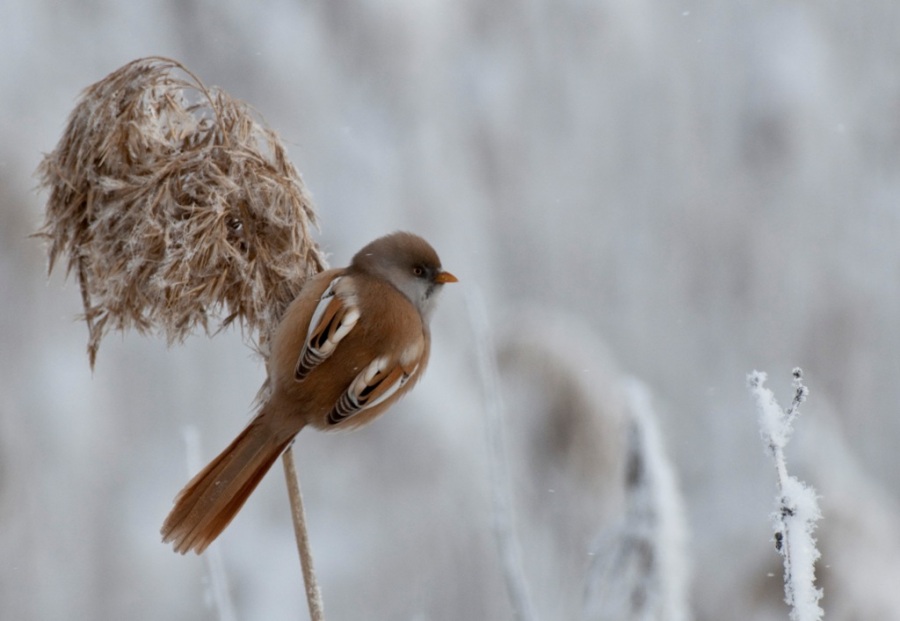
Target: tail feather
(209, 502)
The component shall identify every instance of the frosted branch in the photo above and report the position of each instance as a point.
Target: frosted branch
(798, 509)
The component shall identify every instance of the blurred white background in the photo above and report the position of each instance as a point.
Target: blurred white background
(707, 187)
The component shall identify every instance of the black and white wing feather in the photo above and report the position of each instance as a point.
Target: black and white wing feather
(334, 318)
(377, 383)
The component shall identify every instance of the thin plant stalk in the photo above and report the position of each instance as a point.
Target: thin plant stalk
(215, 567)
(313, 593)
(500, 479)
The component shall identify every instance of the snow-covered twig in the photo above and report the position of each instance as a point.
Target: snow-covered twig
(798, 508)
(501, 485)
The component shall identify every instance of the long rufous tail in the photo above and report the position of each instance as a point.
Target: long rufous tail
(209, 502)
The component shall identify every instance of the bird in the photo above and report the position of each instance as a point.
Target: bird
(351, 343)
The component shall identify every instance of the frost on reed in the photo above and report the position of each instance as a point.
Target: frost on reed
(640, 568)
(798, 508)
(580, 468)
(175, 206)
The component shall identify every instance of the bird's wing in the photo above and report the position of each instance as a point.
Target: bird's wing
(374, 385)
(332, 320)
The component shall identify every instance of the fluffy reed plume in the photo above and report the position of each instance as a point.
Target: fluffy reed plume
(174, 205)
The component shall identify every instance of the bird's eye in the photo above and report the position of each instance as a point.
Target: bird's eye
(418, 271)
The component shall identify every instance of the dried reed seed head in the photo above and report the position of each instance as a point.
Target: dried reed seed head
(175, 205)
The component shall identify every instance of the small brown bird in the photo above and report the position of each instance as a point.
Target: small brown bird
(350, 345)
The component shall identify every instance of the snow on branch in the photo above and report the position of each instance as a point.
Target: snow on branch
(798, 508)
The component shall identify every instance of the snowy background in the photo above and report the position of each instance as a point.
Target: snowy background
(677, 192)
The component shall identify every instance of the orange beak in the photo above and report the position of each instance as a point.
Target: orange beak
(442, 278)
